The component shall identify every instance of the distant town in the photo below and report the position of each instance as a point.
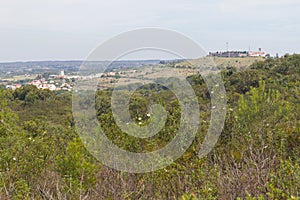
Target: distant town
(52, 82)
(61, 75)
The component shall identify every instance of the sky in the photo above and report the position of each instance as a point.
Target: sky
(70, 29)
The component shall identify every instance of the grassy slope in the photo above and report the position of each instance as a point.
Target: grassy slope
(239, 63)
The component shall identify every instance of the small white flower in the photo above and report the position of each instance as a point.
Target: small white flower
(127, 123)
(213, 107)
(139, 118)
(212, 92)
(14, 159)
(148, 115)
(231, 109)
(140, 123)
(29, 138)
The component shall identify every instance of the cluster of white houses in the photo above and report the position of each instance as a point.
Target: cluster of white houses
(44, 85)
(50, 84)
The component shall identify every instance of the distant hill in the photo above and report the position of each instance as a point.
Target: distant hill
(239, 63)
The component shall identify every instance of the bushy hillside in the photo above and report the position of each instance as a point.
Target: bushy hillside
(256, 157)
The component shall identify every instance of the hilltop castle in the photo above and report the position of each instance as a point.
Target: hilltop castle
(238, 54)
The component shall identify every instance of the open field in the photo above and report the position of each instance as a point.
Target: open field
(239, 63)
(22, 77)
(146, 74)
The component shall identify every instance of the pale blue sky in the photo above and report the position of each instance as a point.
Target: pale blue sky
(71, 29)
